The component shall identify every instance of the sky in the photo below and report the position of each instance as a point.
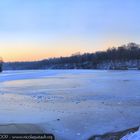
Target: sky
(39, 29)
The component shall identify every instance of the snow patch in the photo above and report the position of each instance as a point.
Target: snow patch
(132, 136)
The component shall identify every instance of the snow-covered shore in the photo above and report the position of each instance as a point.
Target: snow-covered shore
(72, 104)
(132, 136)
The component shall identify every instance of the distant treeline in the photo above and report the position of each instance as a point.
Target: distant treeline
(127, 52)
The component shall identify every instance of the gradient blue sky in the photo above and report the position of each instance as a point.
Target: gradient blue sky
(37, 29)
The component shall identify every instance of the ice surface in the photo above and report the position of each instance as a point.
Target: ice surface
(72, 104)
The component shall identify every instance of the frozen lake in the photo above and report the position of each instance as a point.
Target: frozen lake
(72, 104)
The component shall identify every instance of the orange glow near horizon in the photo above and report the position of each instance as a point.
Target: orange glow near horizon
(29, 51)
(36, 51)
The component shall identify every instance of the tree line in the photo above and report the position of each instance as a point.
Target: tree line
(130, 51)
